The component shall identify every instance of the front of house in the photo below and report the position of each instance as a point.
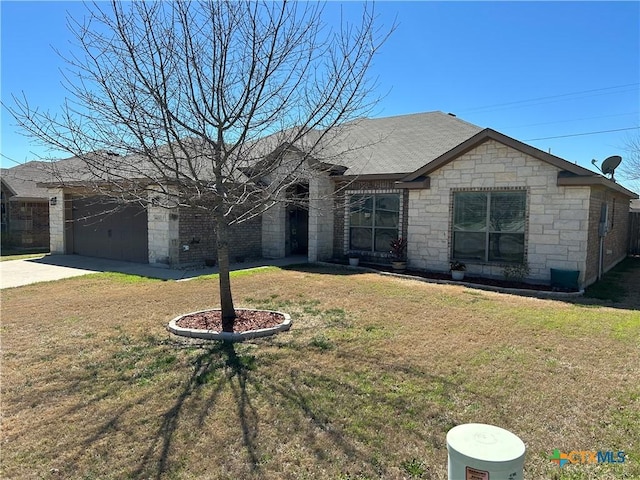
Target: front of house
(453, 190)
(24, 207)
(494, 202)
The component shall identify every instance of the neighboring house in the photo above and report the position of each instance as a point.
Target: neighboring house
(25, 206)
(453, 189)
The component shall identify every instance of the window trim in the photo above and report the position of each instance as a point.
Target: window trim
(347, 219)
(488, 231)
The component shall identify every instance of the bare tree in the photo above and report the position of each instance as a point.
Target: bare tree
(201, 101)
(630, 167)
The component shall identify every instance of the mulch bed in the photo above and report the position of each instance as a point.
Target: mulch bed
(245, 320)
(491, 282)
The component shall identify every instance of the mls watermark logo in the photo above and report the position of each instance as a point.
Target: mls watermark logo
(587, 457)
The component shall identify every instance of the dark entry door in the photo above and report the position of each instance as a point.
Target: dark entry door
(299, 231)
(101, 228)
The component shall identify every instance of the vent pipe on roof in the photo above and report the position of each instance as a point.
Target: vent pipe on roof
(452, 114)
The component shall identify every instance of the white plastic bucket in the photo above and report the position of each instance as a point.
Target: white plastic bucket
(484, 452)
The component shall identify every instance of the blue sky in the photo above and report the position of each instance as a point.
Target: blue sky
(531, 70)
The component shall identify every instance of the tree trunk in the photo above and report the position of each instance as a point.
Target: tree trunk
(226, 300)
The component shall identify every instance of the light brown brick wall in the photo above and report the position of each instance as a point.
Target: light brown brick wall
(36, 215)
(196, 230)
(616, 241)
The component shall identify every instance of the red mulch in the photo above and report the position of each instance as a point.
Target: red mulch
(245, 320)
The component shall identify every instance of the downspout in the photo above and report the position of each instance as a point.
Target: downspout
(603, 229)
(600, 256)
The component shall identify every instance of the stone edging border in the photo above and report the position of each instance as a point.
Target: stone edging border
(228, 336)
(490, 288)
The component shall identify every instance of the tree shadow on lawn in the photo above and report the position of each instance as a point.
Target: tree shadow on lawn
(308, 402)
(312, 405)
(205, 366)
(299, 396)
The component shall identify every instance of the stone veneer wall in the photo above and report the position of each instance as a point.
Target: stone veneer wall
(274, 223)
(275, 234)
(320, 218)
(558, 217)
(162, 231)
(341, 206)
(57, 221)
(616, 242)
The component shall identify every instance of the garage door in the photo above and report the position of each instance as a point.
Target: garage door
(101, 228)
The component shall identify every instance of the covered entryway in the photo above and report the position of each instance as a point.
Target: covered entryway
(102, 228)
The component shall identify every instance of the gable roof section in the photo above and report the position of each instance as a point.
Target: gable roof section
(396, 145)
(22, 180)
(569, 174)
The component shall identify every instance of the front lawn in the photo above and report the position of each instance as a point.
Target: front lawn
(367, 383)
(7, 254)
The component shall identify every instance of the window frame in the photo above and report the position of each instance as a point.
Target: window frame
(348, 226)
(487, 230)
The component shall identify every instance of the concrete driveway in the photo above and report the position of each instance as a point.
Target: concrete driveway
(15, 273)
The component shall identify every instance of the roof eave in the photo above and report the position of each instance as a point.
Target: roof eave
(489, 134)
(9, 187)
(18, 198)
(372, 176)
(420, 183)
(565, 180)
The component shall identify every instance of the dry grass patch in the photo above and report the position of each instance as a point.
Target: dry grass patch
(367, 383)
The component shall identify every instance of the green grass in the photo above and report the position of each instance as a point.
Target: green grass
(239, 273)
(611, 286)
(373, 374)
(123, 277)
(6, 256)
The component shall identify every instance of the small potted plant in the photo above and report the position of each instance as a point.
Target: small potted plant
(354, 259)
(398, 251)
(457, 270)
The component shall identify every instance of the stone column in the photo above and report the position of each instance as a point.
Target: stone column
(320, 218)
(162, 232)
(56, 221)
(274, 233)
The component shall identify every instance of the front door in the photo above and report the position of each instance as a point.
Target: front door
(298, 231)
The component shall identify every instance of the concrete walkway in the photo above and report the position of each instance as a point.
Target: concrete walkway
(15, 273)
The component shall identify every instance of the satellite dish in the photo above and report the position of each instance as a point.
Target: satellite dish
(610, 164)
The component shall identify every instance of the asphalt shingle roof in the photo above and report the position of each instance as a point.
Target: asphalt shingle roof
(399, 144)
(22, 179)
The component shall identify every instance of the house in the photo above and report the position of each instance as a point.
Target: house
(25, 206)
(453, 189)
(634, 228)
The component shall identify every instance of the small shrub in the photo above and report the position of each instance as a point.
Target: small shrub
(515, 272)
(398, 248)
(457, 266)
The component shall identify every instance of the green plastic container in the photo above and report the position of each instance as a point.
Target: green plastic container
(564, 279)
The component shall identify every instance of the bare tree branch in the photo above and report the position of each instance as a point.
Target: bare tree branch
(226, 102)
